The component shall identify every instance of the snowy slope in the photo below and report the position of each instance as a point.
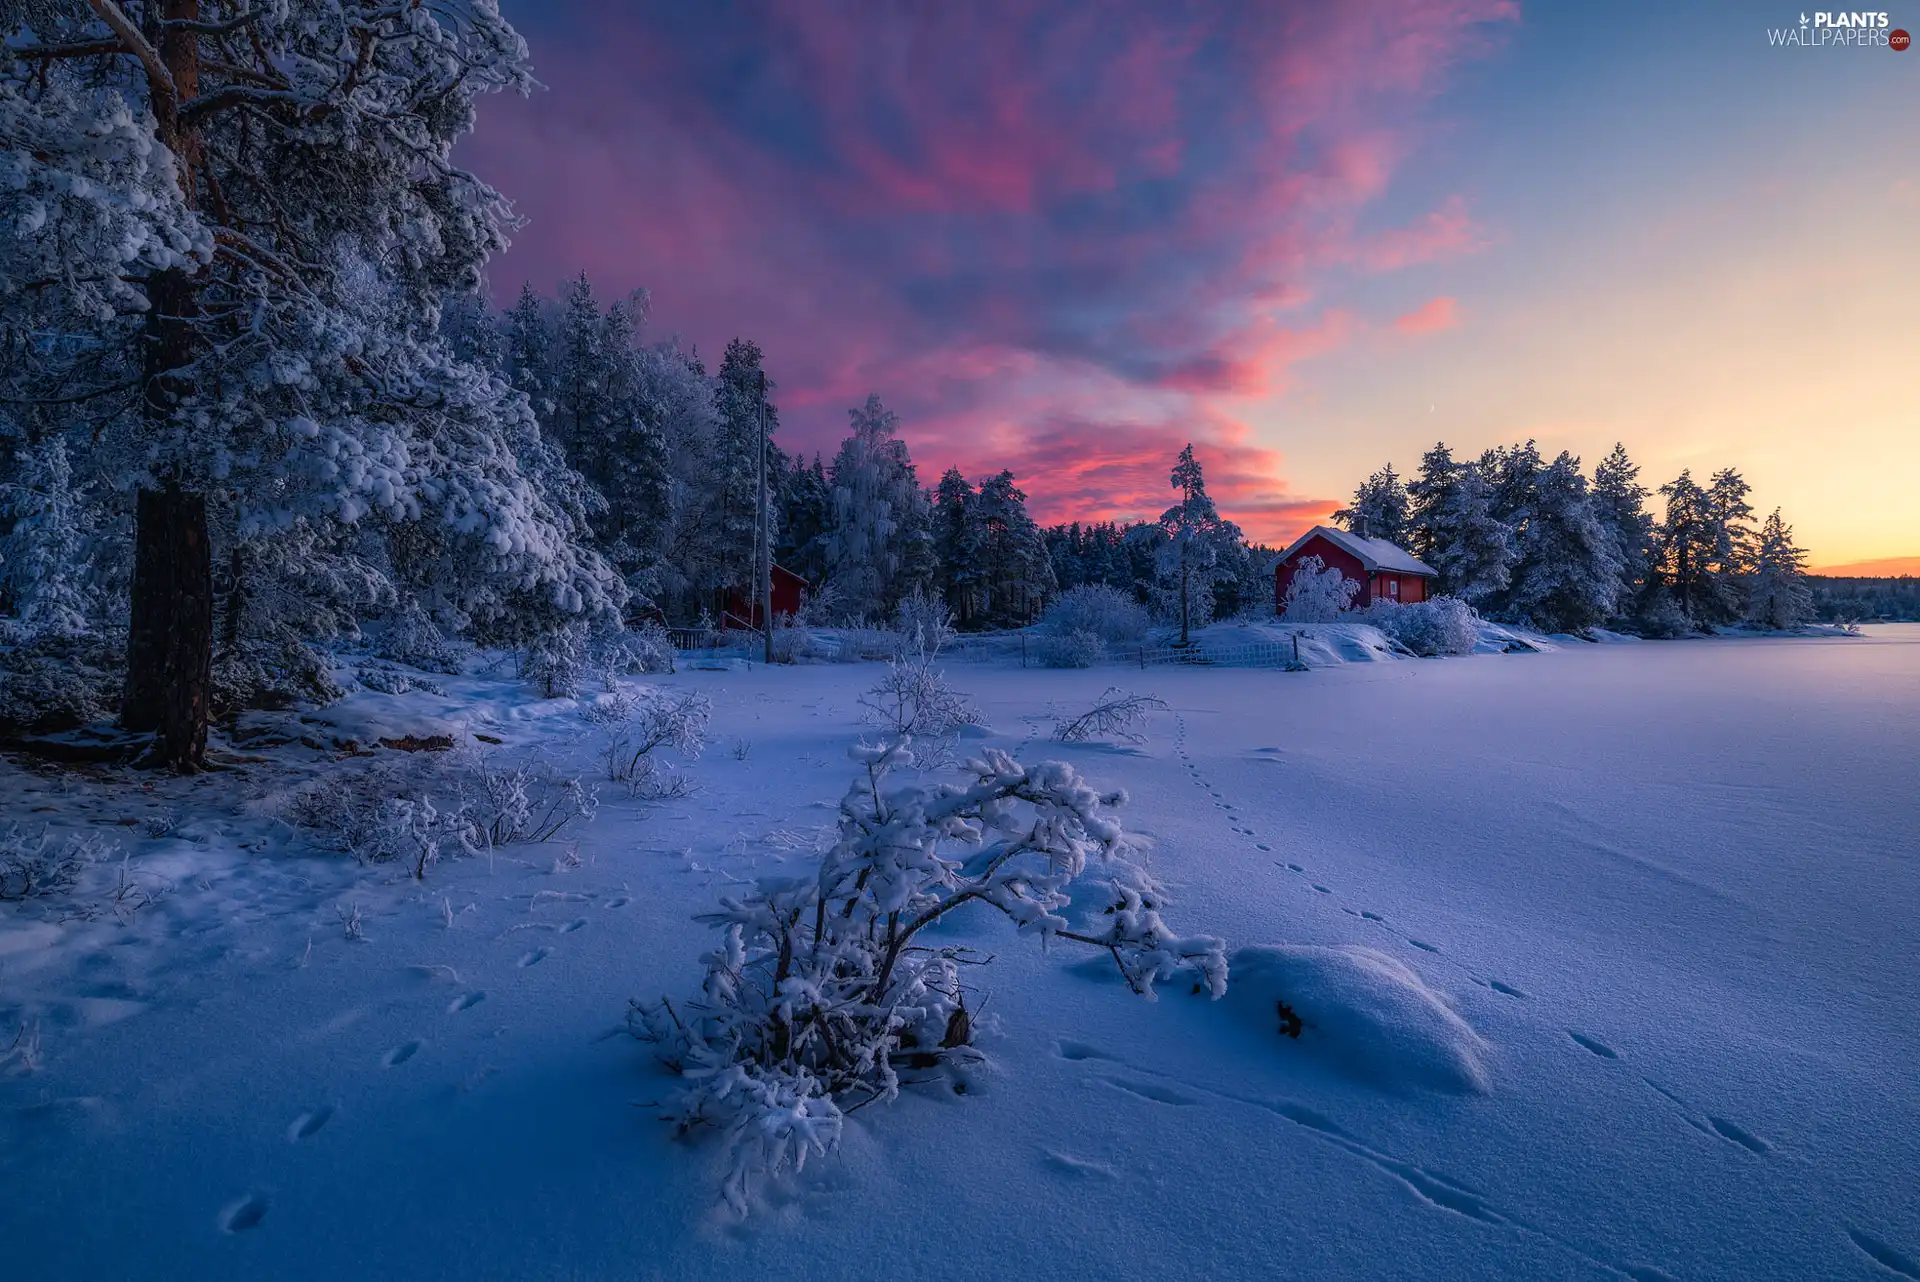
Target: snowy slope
(1603, 954)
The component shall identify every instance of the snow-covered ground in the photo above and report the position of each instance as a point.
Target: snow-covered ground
(1625, 986)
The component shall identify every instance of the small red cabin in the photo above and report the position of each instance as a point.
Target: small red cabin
(789, 594)
(1385, 571)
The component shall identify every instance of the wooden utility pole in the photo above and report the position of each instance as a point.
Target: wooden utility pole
(763, 564)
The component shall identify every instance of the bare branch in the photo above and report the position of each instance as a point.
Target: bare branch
(159, 78)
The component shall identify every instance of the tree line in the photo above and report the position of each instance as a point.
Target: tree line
(1537, 541)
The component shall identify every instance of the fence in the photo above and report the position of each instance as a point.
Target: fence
(1258, 655)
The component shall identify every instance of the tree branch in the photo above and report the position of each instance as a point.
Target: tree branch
(159, 78)
(79, 49)
(233, 96)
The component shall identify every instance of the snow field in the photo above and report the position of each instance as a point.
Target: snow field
(1594, 946)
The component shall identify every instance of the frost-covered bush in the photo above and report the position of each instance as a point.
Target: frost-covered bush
(914, 699)
(1115, 714)
(1099, 609)
(821, 986)
(50, 682)
(1318, 593)
(794, 642)
(1442, 625)
(411, 637)
(36, 864)
(1078, 649)
(638, 728)
(429, 807)
(275, 671)
(647, 648)
(559, 662)
(924, 625)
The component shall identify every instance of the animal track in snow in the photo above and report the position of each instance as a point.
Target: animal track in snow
(466, 1001)
(1424, 946)
(1261, 845)
(1883, 1255)
(1599, 1048)
(1151, 1091)
(1737, 1134)
(400, 1054)
(1079, 1051)
(535, 957)
(620, 901)
(308, 1124)
(1508, 989)
(1077, 1167)
(573, 925)
(238, 1217)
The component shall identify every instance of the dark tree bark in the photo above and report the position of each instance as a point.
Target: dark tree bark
(170, 631)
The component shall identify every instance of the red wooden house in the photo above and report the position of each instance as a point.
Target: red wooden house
(1385, 571)
(789, 594)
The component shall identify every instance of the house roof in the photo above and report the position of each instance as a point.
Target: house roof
(1373, 554)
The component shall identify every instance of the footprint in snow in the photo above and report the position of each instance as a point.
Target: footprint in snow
(619, 901)
(238, 1217)
(1261, 845)
(1599, 1048)
(1078, 1051)
(466, 1001)
(535, 957)
(1424, 946)
(400, 1054)
(573, 925)
(308, 1124)
(1372, 916)
(1508, 989)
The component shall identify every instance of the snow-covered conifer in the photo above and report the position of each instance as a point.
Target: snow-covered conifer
(1566, 576)
(1379, 509)
(1777, 593)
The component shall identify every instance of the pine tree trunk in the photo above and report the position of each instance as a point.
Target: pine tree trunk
(170, 631)
(170, 638)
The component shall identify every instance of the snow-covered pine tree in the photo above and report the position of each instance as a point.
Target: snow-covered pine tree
(42, 554)
(1733, 547)
(1686, 546)
(527, 350)
(1016, 573)
(875, 551)
(1191, 552)
(959, 549)
(1778, 596)
(742, 390)
(1620, 504)
(249, 214)
(1427, 494)
(684, 403)
(1567, 574)
(806, 514)
(1379, 509)
(1472, 550)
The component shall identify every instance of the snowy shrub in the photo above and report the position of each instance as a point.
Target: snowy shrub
(559, 662)
(638, 728)
(924, 626)
(914, 699)
(1317, 593)
(275, 671)
(413, 638)
(390, 678)
(1443, 625)
(1097, 608)
(1115, 714)
(51, 682)
(820, 988)
(1078, 649)
(33, 865)
(647, 649)
(1659, 616)
(387, 811)
(793, 641)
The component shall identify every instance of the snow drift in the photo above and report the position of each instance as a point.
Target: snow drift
(1364, 1013)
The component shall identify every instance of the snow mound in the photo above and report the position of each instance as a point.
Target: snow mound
(1364, 1012)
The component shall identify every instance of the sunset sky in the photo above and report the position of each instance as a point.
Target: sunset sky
(1067, 238)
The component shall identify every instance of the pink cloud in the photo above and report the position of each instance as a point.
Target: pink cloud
(1434, 316)
(1016, 222)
